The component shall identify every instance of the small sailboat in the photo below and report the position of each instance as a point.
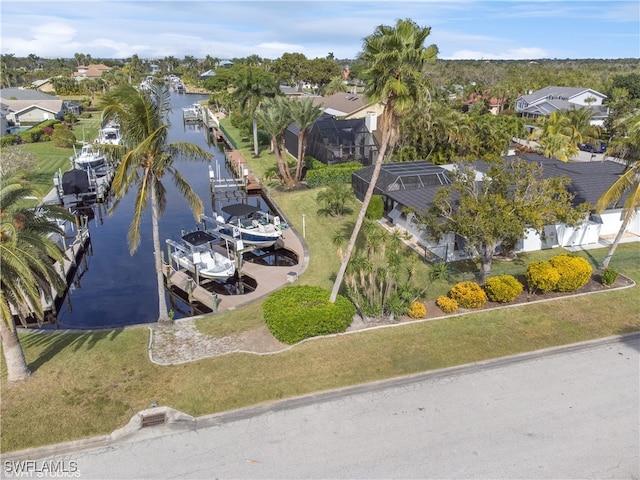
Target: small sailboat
(196, 254)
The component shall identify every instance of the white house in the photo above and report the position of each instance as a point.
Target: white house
(412, 186)
(547, 100)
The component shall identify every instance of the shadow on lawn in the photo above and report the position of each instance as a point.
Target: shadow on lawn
(51, 344)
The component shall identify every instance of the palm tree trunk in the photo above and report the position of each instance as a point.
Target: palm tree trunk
(614, 245)
(163, 315)
(301, 140)
(361, 215)
(17, 368)
(256, 153)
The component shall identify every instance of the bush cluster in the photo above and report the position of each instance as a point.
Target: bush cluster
(468, 294)
(375, 208)
(609, 276)
(503, 288)
(564, 273)
(446, 304)
(541, 276)
(298, 312)
(320, 174)
(574, 272)
(63, 137)
(417, 310)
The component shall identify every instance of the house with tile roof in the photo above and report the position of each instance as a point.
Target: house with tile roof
(412, 186)
(94, 70)
(545, 101)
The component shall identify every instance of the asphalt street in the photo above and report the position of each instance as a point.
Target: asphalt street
(568, 413)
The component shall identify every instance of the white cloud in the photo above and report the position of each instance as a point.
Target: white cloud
(510, 54)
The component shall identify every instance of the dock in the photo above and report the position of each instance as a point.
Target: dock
(268, 278)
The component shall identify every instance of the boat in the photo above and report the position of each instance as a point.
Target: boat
(88, 158)
(109, 135)
(193, 113)
(249, 224)
(196, 254)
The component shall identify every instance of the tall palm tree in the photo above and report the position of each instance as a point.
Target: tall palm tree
(27, 254)
(274, 117)
(147, 159)
(252, 87)
(627, 184)
(304, 114)
(395, 58)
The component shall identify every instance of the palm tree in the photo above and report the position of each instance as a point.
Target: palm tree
(304, 114)
(336, 85)
(27, 255)
(147, 159)
(628, 183)
(395, 58)
(274, 117)
(252, 87)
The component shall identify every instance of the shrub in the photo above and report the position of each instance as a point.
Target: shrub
(63, 137)
(468, 294)
(446, 304)
(323, 175)
(417, 310)
(503, 288)
(375, 209)
(542, 276)
(574, 272)
(298, 312)
(609, 276)
(10, 139)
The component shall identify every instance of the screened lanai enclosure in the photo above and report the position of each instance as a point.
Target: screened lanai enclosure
(406, 182)
(335, 141)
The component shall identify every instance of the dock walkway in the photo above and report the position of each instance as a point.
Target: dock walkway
(269, 278)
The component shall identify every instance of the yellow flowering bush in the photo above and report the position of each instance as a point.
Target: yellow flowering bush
(542, 276)
(574, 272)
(446, 304)
(417, 310)
(468, 294)
(503, 288)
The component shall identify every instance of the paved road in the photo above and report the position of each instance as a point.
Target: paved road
(563, 415)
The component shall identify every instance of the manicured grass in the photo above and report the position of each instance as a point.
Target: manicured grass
(92, 383)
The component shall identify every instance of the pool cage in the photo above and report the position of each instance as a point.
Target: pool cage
(400, 176)
(334, 141)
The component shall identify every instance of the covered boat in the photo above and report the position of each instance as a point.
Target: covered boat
(196, 254)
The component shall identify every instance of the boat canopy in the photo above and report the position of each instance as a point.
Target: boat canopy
(198, 237)
(240, 209)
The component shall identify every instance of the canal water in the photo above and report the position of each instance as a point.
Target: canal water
(118, 289)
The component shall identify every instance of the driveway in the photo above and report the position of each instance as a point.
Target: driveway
(561, 413)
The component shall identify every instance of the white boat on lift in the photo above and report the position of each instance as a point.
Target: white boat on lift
(109, 135)
(88, 158)
(249, 224)
(196, 254)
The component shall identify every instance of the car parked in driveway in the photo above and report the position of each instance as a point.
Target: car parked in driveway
(599, 147)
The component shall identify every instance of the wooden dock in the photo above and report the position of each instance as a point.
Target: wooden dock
(238, 164)
(268, 278)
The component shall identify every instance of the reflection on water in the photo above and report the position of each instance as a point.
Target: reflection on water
(119, 288)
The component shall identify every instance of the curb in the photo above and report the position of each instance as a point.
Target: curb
(183, 422)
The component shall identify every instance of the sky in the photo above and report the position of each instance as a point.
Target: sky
(479, 30)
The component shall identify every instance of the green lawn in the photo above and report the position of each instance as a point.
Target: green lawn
(87, 384)
(94, 382)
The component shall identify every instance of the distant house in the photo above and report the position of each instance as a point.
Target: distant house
(226, 64)
(45, 85)
(90, 71)
(412, 186)
(207, 74)
(32, 107)
(348, 105)
(545, 101)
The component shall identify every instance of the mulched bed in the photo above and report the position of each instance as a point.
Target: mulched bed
(433, 311)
